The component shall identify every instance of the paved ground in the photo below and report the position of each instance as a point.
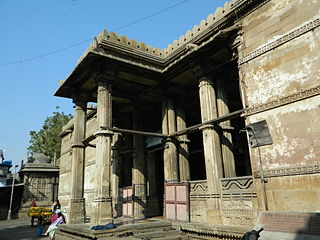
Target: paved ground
(18, 229)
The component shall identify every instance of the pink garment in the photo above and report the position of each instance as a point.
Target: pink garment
(59, 220)
(54, 218)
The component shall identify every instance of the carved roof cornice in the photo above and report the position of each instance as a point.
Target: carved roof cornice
(211, 25)
(109, 45)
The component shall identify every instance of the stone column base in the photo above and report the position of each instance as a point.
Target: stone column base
(101, 211)
(213, 212)
(77, 211)
(117, 206)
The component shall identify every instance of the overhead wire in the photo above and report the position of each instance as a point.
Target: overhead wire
(34, 9)
(13, 140)
(90, 39)
(70, 46)
(37, 51)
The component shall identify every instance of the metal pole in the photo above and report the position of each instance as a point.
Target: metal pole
(10, 206)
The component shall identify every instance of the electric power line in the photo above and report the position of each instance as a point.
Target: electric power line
(13, 140)
(34, 9)
(37, 51)
(151, 15)
(90, 39)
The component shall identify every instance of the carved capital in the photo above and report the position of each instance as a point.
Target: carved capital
(205, 81)
(206, 127)
(80, 102)
(105, 79)
(183, 140)
(106, 133)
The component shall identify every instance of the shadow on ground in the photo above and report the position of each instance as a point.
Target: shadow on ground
(13, 230)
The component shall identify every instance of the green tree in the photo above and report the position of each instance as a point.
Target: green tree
(47, 139)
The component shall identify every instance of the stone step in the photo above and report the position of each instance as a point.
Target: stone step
(156, 234)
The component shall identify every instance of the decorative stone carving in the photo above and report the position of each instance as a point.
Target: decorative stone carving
(237, 205)
(288, 171)
(282, 40)
(237, 184)
(198, 187)
(282, 101)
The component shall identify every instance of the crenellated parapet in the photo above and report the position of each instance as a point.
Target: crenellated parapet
(197, 30)
(185, 42)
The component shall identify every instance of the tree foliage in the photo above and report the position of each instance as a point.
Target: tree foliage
(47, 139)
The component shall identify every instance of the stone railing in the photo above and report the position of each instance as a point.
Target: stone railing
(238, 201)
(198, 187)
(198, 196)
(236, 184)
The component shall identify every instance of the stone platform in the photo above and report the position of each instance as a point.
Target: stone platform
(144, 229)
(151, 229)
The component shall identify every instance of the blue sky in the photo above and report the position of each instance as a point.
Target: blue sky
(33, 28)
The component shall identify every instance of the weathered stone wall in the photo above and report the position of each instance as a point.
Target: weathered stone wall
(279, 76)
(293, 193)
(198, 201)
(90, 171)
(65, 171)
(66, 165)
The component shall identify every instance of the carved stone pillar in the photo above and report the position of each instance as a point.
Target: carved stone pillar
(226, 140)
(152, 185)
(171, 171)
(212, 148)
(115, 176)
(138, 172)
(184, 169)
(102, 202)
(77, 202)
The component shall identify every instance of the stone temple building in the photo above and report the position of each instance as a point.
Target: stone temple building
(41, 179)
(220, 129)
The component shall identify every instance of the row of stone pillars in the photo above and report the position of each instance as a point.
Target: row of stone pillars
(219, 160)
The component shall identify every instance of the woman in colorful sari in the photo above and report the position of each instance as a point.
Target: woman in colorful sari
(53, 226)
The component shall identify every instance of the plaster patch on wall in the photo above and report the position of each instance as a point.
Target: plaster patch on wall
(287, 143)
(277, 83)
(311, 154)
(89, 177)
(285, 147)
(280, 7)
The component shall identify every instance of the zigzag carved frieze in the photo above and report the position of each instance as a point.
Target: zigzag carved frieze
(238, 184)
(283, 101)
(302, 170)
(282, 40)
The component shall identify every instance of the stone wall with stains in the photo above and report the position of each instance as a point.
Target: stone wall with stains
(280, 77)
(65, 170)
(66, 165)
